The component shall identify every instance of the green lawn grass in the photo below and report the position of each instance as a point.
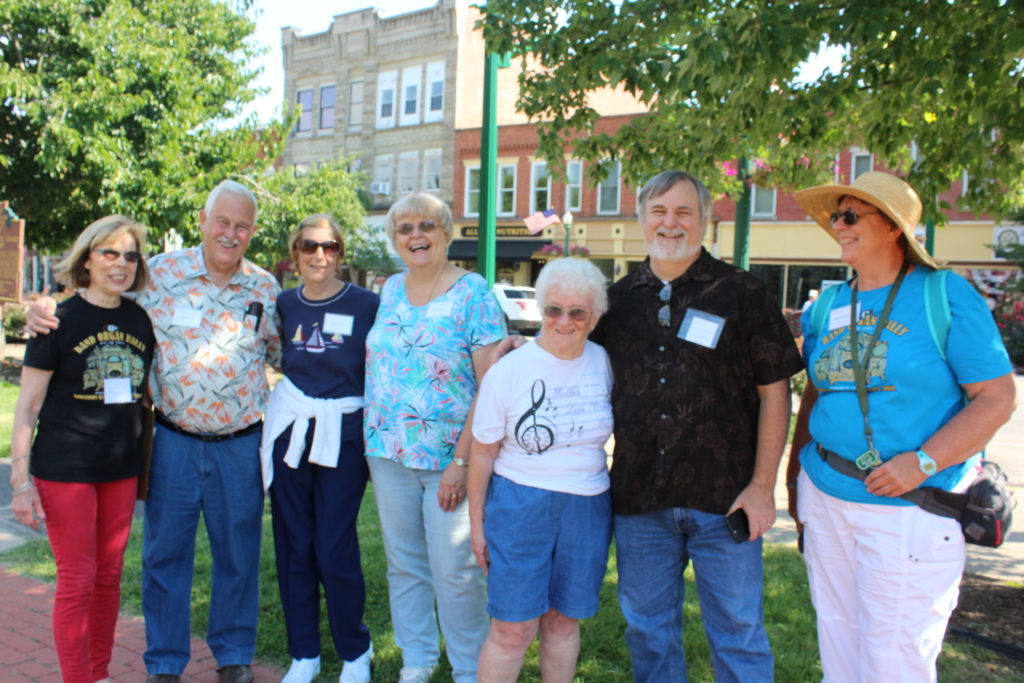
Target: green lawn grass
(603, 658)
(8, 397)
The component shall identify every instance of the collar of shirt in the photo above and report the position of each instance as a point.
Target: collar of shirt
(194, 265)
(701, 270)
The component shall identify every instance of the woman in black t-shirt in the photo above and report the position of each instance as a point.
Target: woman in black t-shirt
(83, 384)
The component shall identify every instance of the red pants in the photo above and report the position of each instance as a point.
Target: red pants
(88, 526)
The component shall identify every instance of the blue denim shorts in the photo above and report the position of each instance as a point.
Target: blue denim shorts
(548, 549)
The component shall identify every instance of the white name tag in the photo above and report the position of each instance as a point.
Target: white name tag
(439, 309)
(187, 317)
(337, 323)
(840, 317)
(703, 329)
(117, 390)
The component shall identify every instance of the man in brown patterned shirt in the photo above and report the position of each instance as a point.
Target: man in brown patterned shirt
(701, 357)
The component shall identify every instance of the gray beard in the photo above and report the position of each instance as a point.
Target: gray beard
(664, 251)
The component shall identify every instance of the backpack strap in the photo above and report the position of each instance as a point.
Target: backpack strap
(821, 308)
(936, 306)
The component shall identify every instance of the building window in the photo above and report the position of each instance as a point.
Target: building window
(473, 191)
(540, 187)
(608, 191)
(327, 106)
(574, 186)
(381, 184)
(305, 100)
(355, 104)
(432, 170)
(506, 190)
(411, 80)
(435, 92)
(408, 171)
(860, 164)
(387, 85)
(762, 202)
(965, 183)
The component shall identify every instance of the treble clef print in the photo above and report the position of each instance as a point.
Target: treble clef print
(534, 437)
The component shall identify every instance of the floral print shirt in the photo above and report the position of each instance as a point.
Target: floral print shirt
(209, 372)
(419, 370)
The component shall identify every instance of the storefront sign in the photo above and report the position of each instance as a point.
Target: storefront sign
(500, 231)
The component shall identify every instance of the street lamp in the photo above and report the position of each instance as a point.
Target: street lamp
(567, 222)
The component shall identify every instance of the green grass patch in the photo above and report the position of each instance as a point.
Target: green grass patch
(604, 657)
(8, 397)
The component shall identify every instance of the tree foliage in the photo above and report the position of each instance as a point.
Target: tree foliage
(288, 196)
(721, 78)
(113, 106)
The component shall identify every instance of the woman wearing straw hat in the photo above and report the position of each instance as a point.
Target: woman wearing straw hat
(884, 573)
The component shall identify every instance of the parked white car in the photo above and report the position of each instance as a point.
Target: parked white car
(520, 307)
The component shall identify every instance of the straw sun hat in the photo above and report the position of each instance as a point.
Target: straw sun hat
(885, 192)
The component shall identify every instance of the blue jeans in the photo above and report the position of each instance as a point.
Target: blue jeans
(653, 550)
(429, 560)
(223, 481)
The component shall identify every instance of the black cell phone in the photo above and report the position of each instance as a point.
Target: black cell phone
(739, 525)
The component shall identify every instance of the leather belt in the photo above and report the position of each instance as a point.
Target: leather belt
(162, 420)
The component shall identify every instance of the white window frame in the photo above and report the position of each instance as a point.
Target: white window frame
(754, 192)
(303, 111)
(965, 182)
(432, 166)
(536, 169)
(383, 171)
(853, 164)
(387, 82)
(435, 76)
(604, 187)
(408, 173)
(570, 185)
(412, 78)
(356, 97)
(469, 191)
(333, 108)
(504, 191)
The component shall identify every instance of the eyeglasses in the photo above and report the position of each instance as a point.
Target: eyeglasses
(310, 247)
(576, 314)
(850, 217)
(113, 254)
(407, 228)
(665, 313)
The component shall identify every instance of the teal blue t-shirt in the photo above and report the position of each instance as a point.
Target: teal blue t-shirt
(912, 391)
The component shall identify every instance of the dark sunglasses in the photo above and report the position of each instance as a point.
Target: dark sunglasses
(407, 228)
(310, 247)
(555, 312)
(850, 217)
(665, 313)
(113, 254)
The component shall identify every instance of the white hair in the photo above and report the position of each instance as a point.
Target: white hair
(235, 188)
(573, 276)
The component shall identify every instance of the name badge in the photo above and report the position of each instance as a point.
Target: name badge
(439, 309)
(117, 390)
(703, 329)
(187, 317)
(840, 317)
(337, 323)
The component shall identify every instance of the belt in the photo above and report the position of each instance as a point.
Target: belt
(162, 420)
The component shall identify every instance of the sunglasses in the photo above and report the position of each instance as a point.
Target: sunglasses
(310, 247)
(113, 254)
(665, 313)
(407, 228)
(576, 314)
(850, 217)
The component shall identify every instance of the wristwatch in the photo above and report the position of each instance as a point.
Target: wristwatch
(461, 462)
(926, 463)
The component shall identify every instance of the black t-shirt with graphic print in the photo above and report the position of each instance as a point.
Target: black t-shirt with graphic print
(91, 417)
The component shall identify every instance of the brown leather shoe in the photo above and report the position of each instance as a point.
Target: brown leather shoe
(235, 673)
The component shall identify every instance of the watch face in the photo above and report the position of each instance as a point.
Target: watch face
(461, 462)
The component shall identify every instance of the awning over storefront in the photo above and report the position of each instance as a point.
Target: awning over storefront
(506, 250)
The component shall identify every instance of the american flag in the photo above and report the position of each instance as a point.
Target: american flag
(540, 220)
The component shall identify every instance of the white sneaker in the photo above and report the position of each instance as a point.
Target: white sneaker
(358, 670)
(415, 674)
(302, 670)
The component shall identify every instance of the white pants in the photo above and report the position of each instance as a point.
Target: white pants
(884, 581)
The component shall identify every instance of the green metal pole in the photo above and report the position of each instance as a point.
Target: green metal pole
(741, 238)
(567, 228)
(486, 241)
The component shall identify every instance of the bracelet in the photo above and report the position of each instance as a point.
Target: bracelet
(790, 484)
(23, 488)
(18, 458)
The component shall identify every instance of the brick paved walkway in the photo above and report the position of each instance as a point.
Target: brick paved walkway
(26, 644)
